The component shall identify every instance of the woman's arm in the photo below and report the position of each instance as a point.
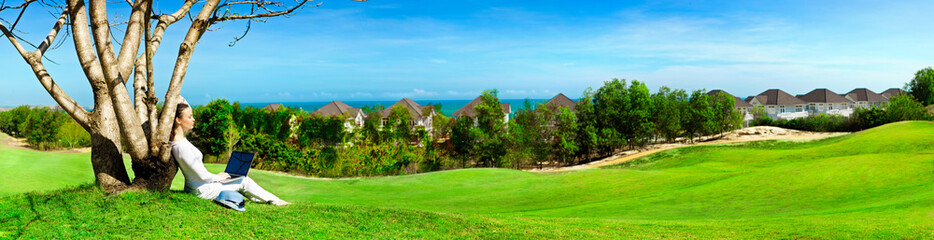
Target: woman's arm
(189, 161)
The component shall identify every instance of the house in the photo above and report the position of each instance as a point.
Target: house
(420, 115)
(891, 92)
(865, 98)
(272, 107)
(743, 107)
(825, 101)
(354, 116)
(561, 101)
(468, 110)
(779, 105)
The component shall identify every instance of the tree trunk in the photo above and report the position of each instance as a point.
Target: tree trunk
(106, 155)
(155, 172)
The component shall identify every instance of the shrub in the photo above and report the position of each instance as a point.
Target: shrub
(40, 127)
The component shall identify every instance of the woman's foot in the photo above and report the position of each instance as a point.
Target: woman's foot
(280, 202)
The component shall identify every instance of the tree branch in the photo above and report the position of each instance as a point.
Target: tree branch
(185, 50)
(269, 13)
(34, 59)
(52, 34)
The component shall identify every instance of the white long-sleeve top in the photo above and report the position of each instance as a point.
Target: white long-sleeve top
(197, 178)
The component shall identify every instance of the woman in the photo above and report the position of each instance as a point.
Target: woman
(198, 180)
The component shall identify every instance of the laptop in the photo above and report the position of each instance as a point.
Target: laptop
(238, 165)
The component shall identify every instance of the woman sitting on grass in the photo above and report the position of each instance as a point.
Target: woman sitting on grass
(198, 180)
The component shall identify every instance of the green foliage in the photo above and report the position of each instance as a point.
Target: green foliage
(315, 131)
(72, 135)
(44, 128)
(903, 108)
(489, 135)
(564, 138)
(725, 116)
(667, 114)
(700, 118)
(586, 125)
(41, 127)
(529, 131)
(399, 125)
(10, 121)
(462, 140)
(922, 86)
(215, 128)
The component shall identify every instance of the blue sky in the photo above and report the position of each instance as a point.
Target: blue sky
(435, 50)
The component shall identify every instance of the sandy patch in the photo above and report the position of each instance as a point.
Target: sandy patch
(750, 134)
(19, 143)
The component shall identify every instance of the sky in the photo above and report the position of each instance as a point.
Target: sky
(452, 50)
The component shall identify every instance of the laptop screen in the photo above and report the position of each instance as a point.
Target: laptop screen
(239, 163)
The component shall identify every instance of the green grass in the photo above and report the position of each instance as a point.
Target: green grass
(874, 184)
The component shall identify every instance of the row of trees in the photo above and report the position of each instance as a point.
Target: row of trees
(619, 115)
(613, 118)
(44, 128)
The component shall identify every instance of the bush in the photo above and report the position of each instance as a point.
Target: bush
(215, 131)
(10, 121)
(72, 135)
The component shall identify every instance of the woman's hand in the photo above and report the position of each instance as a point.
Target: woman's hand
(223, 175)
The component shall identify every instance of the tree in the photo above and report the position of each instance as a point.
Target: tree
(215, 128)
(610, 106)
(116, 118)
(462, 140)
(586, 125)
(922, 86)
(904, 108)
(564, 136)
(489, 135)
(700, 120)
(638, 125)
(667, 113)
(399, 124)
(725, 116)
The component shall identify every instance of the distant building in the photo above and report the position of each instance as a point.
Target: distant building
(272, 107)
(353, 116)
(561, 101)
(779, 105)
(420, 115)
(825, 101)
(743, 107)
(468, 110)
(891, 92)
(865, 98)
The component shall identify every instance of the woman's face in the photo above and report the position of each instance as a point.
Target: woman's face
(185, 120)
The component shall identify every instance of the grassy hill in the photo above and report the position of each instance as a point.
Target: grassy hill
(874, 184)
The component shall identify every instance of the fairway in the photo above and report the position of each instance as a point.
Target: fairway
(873, 184)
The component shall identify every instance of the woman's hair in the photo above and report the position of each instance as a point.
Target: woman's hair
(178, 113)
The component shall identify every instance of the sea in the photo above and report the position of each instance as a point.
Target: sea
(448, 107)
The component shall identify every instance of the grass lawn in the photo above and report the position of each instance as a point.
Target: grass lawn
(874, 184)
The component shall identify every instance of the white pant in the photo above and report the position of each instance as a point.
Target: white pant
(245, 186)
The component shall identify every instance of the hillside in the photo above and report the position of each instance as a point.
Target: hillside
(874, 184)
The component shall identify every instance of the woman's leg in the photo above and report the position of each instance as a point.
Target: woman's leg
(249, 188)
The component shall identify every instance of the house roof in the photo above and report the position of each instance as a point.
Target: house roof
(777, 97)
(468, 110)
(272, 107)
(891, 92)
(415, 110)
(737, 101)
(561, 101)
(822, 95)
(865, 95)
(335, 108)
